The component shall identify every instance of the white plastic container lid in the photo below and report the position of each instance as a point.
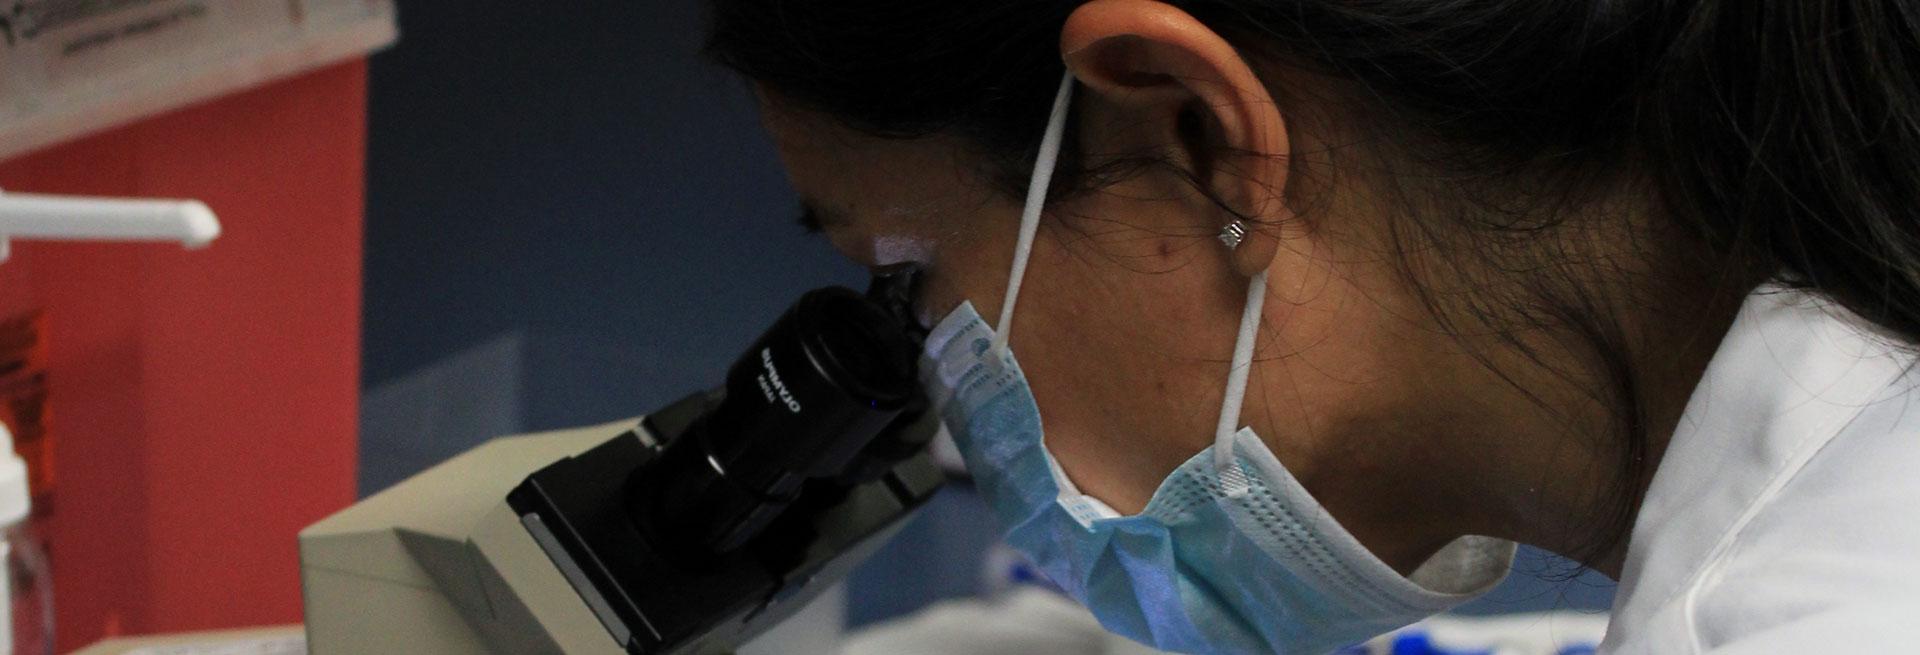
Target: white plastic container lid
(14, 499)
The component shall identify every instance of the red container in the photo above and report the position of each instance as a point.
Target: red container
(206, 400)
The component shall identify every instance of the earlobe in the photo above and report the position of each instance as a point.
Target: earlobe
(1256, 252)
(1156, 58)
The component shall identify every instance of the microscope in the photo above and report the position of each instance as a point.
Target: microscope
(691, 530)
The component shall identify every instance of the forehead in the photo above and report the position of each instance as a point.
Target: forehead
(853, 176)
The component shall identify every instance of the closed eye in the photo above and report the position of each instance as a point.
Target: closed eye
(809, 220)
(816, 218)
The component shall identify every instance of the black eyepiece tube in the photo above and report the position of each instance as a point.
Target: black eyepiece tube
(830, 375)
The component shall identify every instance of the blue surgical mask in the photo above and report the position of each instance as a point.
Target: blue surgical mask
(1231, 554)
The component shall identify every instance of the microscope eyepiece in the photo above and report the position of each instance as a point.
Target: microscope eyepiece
(856, 346)
(833, 373)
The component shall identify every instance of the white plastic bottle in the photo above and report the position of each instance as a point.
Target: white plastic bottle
(27, 581)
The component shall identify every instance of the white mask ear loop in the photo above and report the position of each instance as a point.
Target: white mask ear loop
(1036, 204)
(1232, 479)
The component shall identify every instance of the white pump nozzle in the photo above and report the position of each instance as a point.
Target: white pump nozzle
(49, 217)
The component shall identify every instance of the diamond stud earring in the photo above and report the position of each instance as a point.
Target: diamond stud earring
(1233, 234)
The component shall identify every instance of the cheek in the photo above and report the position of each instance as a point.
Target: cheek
(1340, 368)
(890, 249)
(965, 267)
(853, 246)
(1128, 365)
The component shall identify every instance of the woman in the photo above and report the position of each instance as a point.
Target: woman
(1324, 304)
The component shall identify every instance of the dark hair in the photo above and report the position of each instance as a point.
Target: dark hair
(1783, 137)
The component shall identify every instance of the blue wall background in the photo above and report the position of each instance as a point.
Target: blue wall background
(580, 184)
(572, 219)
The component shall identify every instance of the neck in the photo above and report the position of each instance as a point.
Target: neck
(1551, 452)
(1578, 492)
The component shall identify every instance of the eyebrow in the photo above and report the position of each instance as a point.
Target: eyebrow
(815, 218)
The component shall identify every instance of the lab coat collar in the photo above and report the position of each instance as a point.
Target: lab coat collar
(1791, 372)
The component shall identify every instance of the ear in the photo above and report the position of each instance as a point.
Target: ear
(1159, 60)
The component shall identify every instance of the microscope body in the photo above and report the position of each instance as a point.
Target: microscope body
(687, 532)
(526, 545)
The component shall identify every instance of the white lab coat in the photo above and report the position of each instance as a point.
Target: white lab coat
(1785, 515)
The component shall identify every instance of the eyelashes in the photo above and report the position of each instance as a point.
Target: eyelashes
(809, 220)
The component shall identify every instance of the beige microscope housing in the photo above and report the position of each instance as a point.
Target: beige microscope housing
(441, 565)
